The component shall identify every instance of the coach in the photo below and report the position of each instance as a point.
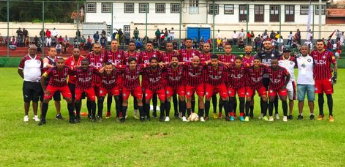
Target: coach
(30, 70)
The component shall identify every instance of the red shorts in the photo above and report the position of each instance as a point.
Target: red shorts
(96, 88)
(323, 86)
(213, 89)
(190, 90)
(250, 91)
(66, 93)
(144, 84)
(119, 82)
(115, 91)
(136, 92)
(171, 91)
(273, 93)
(241, 92)
(149, 93)
(90, 94)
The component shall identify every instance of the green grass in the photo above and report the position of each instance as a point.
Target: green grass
(213, 143)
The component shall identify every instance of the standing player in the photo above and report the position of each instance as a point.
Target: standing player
(323, 76)
(228, 59)
(305, 81)
(247, 62)
(279, 78)
(237, 77)
(84, 76)
(115, 57)
(30, 70)
(96, 59)
(145, 59)
(265, 57)
(194, 83)
(255, 74)
(49, 62)
(215, 83)
(288, 62)
(58, 82)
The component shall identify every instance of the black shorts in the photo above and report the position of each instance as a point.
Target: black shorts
(72, 89)
(32, 91)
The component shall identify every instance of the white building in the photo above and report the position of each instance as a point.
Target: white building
(229, 15)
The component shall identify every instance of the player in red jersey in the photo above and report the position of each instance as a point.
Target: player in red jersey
(254, 80)
(145, 59)
(131, 85)
(96, 59)
(237, 77)
(166, 57)
(228, 59)
(247, 62)
(58, 82)
(83, 76)
(323, 77)
(194, 83)
(215, 83)
(115, 57)
(154, 77)
(279, 78)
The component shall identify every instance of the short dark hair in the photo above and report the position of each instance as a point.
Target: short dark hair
(175, 56)
(108, 63)
(149, 42)
(153, 58)
(214, 56)
(189, 39)
(238, 58)
(320, 40)
(131, 42)
(60, 58)
(132, 59)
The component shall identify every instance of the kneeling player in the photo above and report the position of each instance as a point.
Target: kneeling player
(279, 78)
(58, 82)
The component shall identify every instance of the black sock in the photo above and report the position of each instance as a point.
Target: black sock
(88, 105)
(251, 109)
(124, 111)
(118, 105)
(162, 109)
(176, 108)
(214, 103)
(189, 111)
(193, 106)
(147, 109)
(270, 108)
(135, 101)
(207, 108)
(44, 110)
(264, 108)
(227, 108)
(241, 106)
(285, 107)
(247, 107)
(220, 105)
(321, 101)
(109, 101)
(330, 104)
(231, 102)
(70, 108)
(167, 107)
(201, 112)
(234, 105)
(100, 106)
(77, 108)
(154, 102)
(182, 106)
(276, 104)
(141, 111)
(261, 106)
(93, 109)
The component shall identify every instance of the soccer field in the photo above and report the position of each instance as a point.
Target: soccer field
(133, 143)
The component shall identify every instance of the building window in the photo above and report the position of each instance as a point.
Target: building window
(243, 13)
(129, 7)
(228, 9)
(91, 7)
(193, 6)
(289, 13)
(274, 13)
(175, 8)
(304, 9)
(106, 7)
(216, 9)
(160, 7)
(143, 8)
(259, 11)
(322, 9)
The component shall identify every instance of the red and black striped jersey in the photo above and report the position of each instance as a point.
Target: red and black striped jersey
(71, 63)
(127, 55)
(322, 66)
(248, 61)
(215, 76)
(116, 58)
(227, 59)
(174, 76)
(237, 77)
(204, 57)
(255, 76)
(166, 57)
(187, 55)
(84, 77)
(96, 61)
(109, 80)
(58, 78)
(193, 75)
(154, 78)
(277, 77)
(146, 56)
(131, 77)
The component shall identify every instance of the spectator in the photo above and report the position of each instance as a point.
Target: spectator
(136, 33)
(104, 33)
(277, 36)
(113, 36)
(166, 34)
(49, 40)
(25, 33)
(138, 43)
(310, 35)
(96, 37)
(338, 34)
(158, 34)
(82, 42)
(36, 40)
(234, 38)
(75, 42)
(42, 34)
(298, 37)
(13, 41)
(27, 41)
(242, 34)
(290, 38)
(172, 34)
(258, 43)
(249, 38)
(120, 36)
(241, 43)
(219, 44)
(280, 42)
(19, 37)
(59, 48)
(88, 43)
(218, 35)
(54, 33)
(19, 32)
(265, 35)
(103, 41)
(60, 39)
(54, 41)
(342, 38)
(65, 44)
(272, 35)
(77, 34)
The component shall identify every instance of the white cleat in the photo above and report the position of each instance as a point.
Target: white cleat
(36, 118)
(285, 119)
(202, 119)
(277, 116)
(184, 119)
(271, 119)
(26, 118)
(167, 119)
(261, 116)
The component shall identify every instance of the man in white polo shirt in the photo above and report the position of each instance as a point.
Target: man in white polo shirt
(30, 70)
(305, 81)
